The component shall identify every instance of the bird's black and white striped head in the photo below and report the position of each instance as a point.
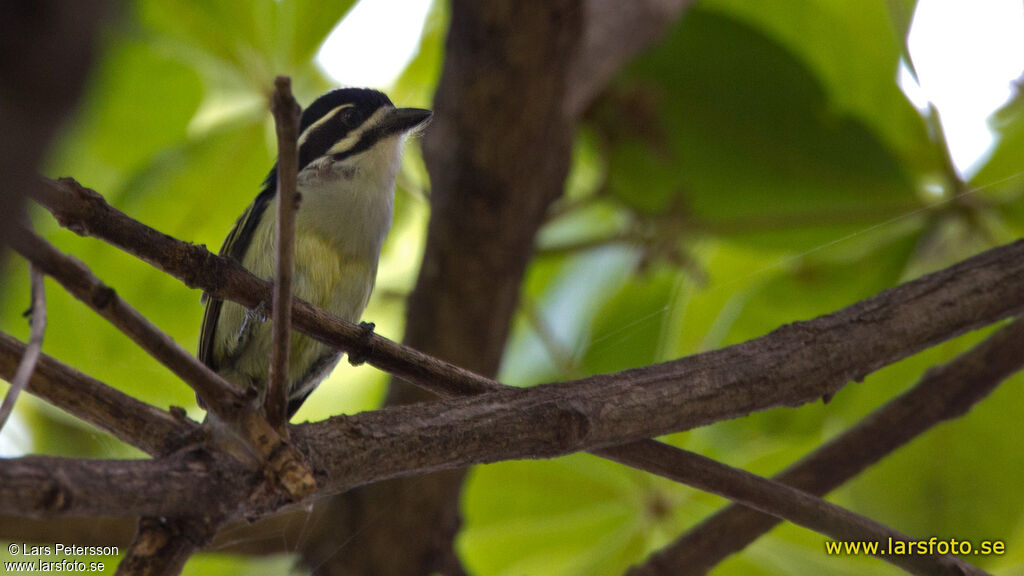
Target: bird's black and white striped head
(345, 123)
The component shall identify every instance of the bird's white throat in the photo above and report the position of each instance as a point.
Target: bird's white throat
(351, 202)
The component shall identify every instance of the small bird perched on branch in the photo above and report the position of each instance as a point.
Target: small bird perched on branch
(350, 150)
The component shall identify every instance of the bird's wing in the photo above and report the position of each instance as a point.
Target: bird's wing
(234, 247)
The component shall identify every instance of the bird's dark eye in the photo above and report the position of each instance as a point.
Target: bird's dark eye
(347, 117)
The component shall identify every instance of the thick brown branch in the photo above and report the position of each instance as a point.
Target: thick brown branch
(793, 365)
(94, 531)
(286, 120)
(27, 365)
(944, 393)
(147, 428)
(601, 411)
(43, 486)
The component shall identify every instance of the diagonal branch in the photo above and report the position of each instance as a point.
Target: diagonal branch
(284, 465)
(146, 427)
(606, 410)
(431, 442)
(785, 502)
(944, 393)
(60, 485)
(85, 212)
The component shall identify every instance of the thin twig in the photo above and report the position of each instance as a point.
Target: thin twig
(286, 119)
(35, 344)
(587, 244)
(146, 427)
(943, 393)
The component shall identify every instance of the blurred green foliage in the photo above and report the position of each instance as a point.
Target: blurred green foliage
(758, 166)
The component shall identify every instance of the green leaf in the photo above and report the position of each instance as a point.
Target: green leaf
(577, 515)
(565, 294)
(627, 330)
(1001, 179)
(723, 124)
(817, 284)
(311, 22)
(210, 564)
(238, 48)
(241, 35)
(138, 103)
(853, 47)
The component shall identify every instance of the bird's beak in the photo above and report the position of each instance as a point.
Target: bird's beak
(404, 119)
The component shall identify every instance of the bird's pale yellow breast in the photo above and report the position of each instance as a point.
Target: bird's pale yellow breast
(336, 281)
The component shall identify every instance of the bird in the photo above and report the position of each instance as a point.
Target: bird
(350, 150)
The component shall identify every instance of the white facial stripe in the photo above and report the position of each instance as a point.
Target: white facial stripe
(353, 137)
(305, 134)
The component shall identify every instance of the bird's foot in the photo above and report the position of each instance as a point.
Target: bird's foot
(364, 349)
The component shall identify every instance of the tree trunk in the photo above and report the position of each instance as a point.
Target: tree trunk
(498, 153)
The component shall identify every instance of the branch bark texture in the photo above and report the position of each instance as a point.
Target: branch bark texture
(556, 419)
(80, 282)
(286, 119)
(283, 464)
